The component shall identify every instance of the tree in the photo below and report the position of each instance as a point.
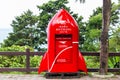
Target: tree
(93, 29)
(94, 26)
(23, 27)
(92, 36)
(104, 37)
(104, 46)
(47, 11)
(29, 29)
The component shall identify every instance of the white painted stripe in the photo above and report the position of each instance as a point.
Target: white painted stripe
(58, 56)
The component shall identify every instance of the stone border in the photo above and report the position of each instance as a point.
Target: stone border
(109, 75)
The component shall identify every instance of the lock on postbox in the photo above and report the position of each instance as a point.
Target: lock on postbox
(62, 54)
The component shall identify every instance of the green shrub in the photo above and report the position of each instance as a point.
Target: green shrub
(17, 61)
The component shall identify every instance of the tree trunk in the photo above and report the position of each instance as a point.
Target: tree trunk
(104, 37)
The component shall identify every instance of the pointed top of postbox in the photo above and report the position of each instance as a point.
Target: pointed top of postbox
(62, 17)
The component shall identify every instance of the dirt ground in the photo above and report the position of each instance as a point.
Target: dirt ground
(40, 77)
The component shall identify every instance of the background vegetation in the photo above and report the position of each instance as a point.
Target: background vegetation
(17, 61)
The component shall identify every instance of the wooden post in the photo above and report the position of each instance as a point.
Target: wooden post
(27, 60)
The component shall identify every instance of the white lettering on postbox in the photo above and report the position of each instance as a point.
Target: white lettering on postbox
(61, 60)
(63, 29)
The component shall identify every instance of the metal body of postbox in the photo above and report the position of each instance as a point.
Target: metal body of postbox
(62, 54)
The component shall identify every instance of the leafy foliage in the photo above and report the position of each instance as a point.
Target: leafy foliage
(114, 46)
(92, 36)
(15, 48)
(47, 11)
(17, 61)
(29, 29)
(23, 27)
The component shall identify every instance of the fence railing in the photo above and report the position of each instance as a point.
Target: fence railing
(29, 69)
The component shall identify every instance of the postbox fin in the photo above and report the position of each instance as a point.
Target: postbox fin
(81, 63)
(43, 64)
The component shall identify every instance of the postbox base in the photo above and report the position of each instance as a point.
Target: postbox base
(66, 75)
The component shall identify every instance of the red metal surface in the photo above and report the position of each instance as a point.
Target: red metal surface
(63, 54)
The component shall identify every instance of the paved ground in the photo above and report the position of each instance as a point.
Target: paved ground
(40, 77)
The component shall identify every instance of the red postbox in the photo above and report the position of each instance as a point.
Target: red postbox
(62, 54)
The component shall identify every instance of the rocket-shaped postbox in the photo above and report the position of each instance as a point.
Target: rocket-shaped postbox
(62, 54)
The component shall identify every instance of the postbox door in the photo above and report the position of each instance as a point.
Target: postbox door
(63, 51)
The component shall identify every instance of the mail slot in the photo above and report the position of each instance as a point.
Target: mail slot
(62, 54)
(63, 44)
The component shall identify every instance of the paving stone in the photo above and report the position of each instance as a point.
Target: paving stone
(40, 77)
